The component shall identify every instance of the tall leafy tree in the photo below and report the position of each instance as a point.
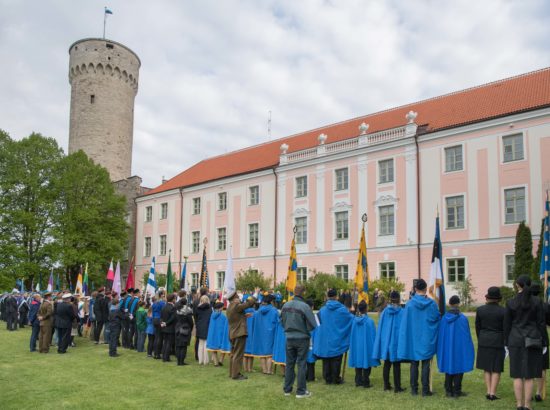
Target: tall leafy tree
(523, 253)
(91, 226)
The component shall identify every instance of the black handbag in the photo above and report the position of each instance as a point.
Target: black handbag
(533, 342)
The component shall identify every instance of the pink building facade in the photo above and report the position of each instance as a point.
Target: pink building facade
(483, 175)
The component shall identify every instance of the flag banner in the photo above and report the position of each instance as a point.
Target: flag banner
(229, 280)
(544, 270)
(436, 285)
(183, 277)
(78, 288)
(291, 276)
(58, 282)
(169, 277)
(85, 289)
(130, 280)
(362, 278)
(204, 282)
(110, 276)
(50, 282)
(117, 286)
(108, 11)
(151, 287)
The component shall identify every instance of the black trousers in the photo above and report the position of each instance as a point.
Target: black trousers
(453, 384)
(181, 352)
(12, 321)
(132, 334)
(310, 374)
(150, 344)
(125, 333)
(396, 375)
(196, 348)
(425, 376)
(362, 377)
(64, 339)
(97, 329)
(331, 370)
(159, 340)
(113, 338)
(167, 346)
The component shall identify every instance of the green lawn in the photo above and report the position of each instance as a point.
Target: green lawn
(87, 378)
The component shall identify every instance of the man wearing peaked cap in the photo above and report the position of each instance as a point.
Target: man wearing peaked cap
(64, 321)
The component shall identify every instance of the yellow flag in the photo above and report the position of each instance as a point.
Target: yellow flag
(362, 278)
(292, 268)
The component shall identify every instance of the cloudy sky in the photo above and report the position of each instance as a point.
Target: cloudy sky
(212, 69)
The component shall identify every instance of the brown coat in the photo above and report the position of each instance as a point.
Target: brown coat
(46, 313)
(237, 318)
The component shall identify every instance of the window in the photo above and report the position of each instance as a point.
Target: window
(514, 205)
(220, 278)
(453, 159)
(301, 187)
(342, 272)
(512, 147)
(164, 210)
(195, 279)
(386, 215)
(341, 225)
(222, 241)
(510, 262)
(254, 195)
(387, 270)
(147, 247)
(253, 235)
(341, 179)
(301, 274)
(195, 241)
(196, 206)
(148, 214)
(222, 201)
(92, 99)
(455, 212)
(456, 270)
(385, 171)
(162, 245)
(301, 230)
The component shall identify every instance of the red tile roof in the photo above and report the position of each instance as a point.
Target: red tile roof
(504, 97)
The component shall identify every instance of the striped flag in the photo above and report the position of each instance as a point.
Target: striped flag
(291, 276)
(85, 289)
(110, 275)
(436, 286)
(183, 278)
(204, 282)
(544, 269)
(78, 288)
(362, 277)
(151, 287)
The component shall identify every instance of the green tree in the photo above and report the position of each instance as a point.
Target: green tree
(251, 279)
(91, 226)
(523, 254)
(318, 283)
(386, 286)
(466, 291)
(536, 261)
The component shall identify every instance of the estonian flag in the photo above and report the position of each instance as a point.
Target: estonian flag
(183, 281)
(108, 11)
(436, 286)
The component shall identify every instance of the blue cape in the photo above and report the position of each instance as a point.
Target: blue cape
(418, 330)
(455, 349)
(250, 331)
(310, 356)
(385, 344)
(263, 330)
(332, 338)
(218, 333)
(279, 344)
(363, 333)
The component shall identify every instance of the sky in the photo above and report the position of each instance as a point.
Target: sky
(213, 69)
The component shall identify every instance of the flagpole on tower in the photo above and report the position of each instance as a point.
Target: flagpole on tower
(106, 11)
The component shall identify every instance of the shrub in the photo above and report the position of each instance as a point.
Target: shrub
(318, 283)
(386, 286)
(250, 279)
(507, 294)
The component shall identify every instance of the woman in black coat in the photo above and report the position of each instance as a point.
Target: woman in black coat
(184, 327)
(203, 312)
(525, 336)
(168, 327)
(535, 291)
(490, 340)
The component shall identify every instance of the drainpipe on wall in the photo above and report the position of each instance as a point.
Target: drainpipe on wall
(181, 227)
(418, 206)
(275, 230)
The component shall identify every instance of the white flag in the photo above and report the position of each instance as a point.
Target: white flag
(229, 281)
(116, 282)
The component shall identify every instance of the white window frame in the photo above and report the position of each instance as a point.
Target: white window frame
(250, 237)
(336, 189)
(162, 252)
(195, 279)
(250, 196)
(379, 170)
(503, 203)
(336, 273)
(502, 137)
(387, 263)
(380, 220)
(301, 190)
(505, 270)
(346, 237)
(147, 249)
(195, 201)
(445, 158)
(192, 243)
(446, 268)
(218, 248)
(219, 283)
(220, 202)
(164, 210)
(149, 213)
(446, 216)
(298, 274)
(301, 237)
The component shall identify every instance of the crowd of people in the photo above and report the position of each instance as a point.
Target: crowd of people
(294, 336)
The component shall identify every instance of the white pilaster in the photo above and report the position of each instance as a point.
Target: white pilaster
(411, 192)
(281, 213)
(320, 207)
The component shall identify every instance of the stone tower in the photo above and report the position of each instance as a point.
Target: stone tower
(104, 81)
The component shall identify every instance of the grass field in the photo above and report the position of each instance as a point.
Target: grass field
(87, 378)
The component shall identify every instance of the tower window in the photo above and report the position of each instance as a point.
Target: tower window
(109, 45)
(92, 99)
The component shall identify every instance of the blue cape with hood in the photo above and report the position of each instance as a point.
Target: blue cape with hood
(455, 349)
(218, 333)
(385, 344)
(279, 344)
(250, 331)
(418, 330)
(363, 333)
(263, 330)
(332, 337)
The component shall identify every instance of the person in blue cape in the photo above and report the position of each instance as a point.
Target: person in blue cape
(279, 346)
(263, 332)
(417, 340)
(311, 359)
(248, 358)
(455, 349)
(385, 344)
(363, 333)
(333, 337)
(217, 341)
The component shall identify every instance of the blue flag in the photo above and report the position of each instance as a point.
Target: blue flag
(544, 270)
(108, 11)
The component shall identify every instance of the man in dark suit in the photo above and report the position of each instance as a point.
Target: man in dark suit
(64, 322)
(126, 299)
(167, 324)
(11, 310)
(101, 313)
(132, 333)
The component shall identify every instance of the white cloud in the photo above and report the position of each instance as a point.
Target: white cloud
(211, 70)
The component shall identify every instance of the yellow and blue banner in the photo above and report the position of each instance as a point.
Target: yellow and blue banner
(292, 268)
(362, 278)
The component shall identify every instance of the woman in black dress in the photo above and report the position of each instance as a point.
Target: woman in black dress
(525, 336)
(204, 311)
(490, 340)
(535, 291)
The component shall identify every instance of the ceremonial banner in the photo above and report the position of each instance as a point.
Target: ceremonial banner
(151, 282)
(362, 278)
(544, 270)
(130, 280)
(183, 278)
(229, 280)
(85, 281)
(117, 286)
(436, 285)
(291, 276)
(50, 282)
(78, 288)
(204, 282)
(169, 277)
(110, 276)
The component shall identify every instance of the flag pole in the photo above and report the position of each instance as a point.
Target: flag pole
(104, 21)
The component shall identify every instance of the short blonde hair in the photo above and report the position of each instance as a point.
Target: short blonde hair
(204, 299)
